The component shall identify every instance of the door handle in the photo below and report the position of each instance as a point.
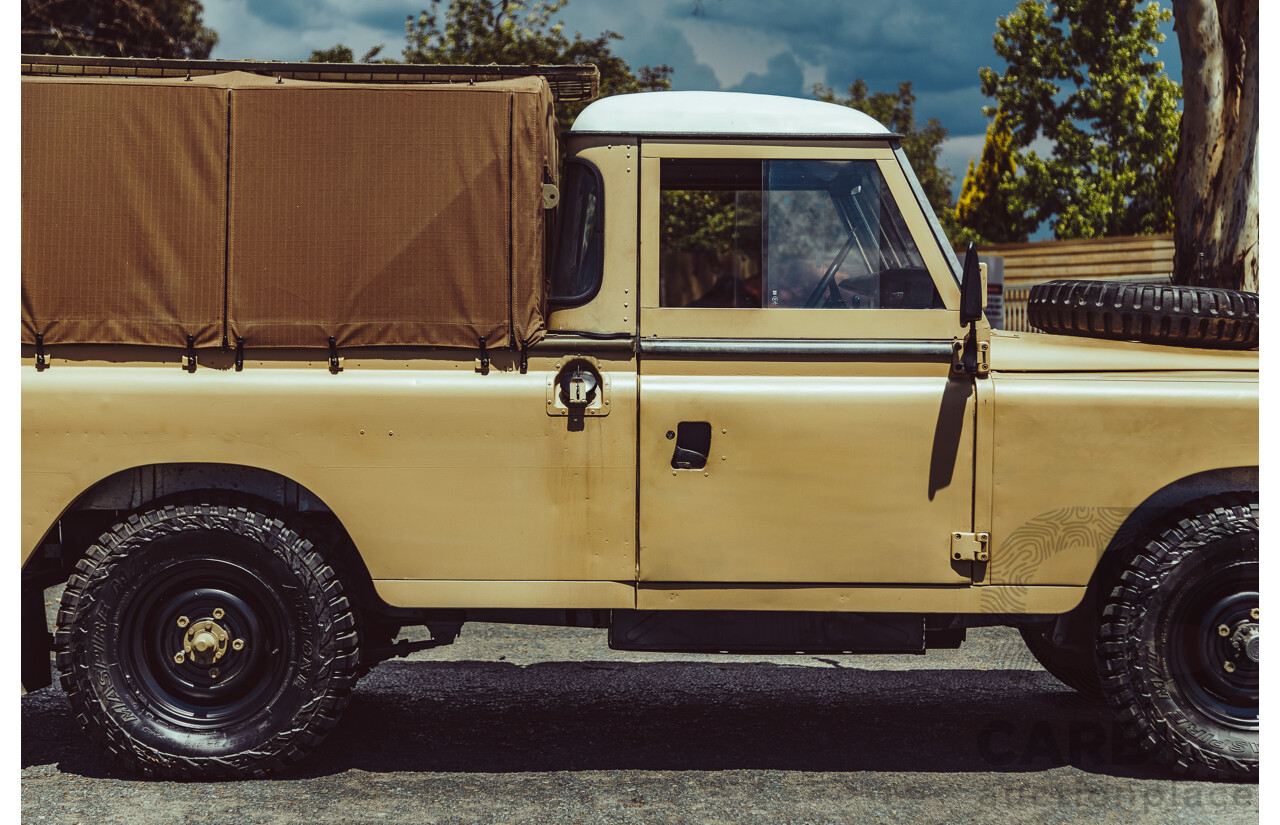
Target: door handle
(693, 445)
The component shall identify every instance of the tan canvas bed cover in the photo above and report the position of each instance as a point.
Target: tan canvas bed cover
(284, 212)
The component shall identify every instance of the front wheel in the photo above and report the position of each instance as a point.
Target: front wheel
(1178, 646)
(202, 640)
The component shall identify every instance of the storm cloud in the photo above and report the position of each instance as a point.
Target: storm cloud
(770, 46)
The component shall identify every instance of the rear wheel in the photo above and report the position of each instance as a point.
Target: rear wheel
(1179, 641)
(199, 640)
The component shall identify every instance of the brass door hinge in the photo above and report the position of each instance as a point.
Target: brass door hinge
(970, 546)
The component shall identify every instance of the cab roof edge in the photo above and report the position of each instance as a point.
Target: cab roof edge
(739, 114)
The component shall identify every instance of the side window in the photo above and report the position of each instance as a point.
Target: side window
(785, 233)
(578, 255)
(712, 241)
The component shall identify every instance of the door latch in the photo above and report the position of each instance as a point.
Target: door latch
(578, 388)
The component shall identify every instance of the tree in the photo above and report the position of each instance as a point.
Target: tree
(1216, 194)
(515, 31)
(339, 53)
(117, 28)
(921, 145)
(989, 210)
(1082, 73)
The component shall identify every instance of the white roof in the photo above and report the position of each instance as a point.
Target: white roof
(722, 113)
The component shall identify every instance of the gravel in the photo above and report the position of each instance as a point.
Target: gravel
(547, 725)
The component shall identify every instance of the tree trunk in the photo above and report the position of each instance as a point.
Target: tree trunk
(1216, 187)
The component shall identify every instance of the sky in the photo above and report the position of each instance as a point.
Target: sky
(771, 46)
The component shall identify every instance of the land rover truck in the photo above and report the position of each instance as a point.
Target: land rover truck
(314, 353)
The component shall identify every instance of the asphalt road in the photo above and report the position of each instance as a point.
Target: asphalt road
(549, 726)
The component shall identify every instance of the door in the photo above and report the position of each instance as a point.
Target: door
(800, 421)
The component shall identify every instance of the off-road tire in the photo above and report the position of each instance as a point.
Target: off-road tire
(1162, 658)
(1184, 316)
(163, 569)
(1075, 667)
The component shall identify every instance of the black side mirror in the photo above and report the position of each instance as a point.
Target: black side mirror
(971, 288)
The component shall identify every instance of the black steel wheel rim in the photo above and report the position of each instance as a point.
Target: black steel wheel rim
(1214, 672)
(204, 696)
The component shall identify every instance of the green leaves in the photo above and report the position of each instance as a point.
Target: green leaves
(921, 144)
(1082, 74)
(516, 31)
(117, 28)
(991, 209)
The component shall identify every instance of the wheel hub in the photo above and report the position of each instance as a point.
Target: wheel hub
(205, 642)
(1244, 642)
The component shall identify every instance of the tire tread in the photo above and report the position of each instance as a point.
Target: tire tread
(332, 682)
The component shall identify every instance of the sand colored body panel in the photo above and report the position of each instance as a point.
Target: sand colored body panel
(428, 487)
(811, 478)
(1075, 454)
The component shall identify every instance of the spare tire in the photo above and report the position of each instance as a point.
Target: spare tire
(1185, 316)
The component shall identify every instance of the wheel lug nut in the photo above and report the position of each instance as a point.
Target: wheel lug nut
(218, 613)
(1223, 630)
(238, 644)
(1253, 614)
(178, 657)
(1229, 667)
(213, 673)
(183, 621)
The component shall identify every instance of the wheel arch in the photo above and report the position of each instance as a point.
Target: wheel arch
(1078, 625)
(107, 501)
(1174, 495)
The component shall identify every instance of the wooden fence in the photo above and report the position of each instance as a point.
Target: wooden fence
(1146, 259)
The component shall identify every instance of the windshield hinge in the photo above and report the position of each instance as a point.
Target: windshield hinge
(971, 356)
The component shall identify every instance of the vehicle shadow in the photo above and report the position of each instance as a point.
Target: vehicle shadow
(495, 717)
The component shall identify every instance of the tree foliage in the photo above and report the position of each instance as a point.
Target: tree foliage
(339, 53)
(117, 28)
(989, 209)
(515, 31)
(921, 144)
(1082, 74)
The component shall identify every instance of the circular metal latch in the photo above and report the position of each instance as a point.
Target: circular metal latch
(578, 383)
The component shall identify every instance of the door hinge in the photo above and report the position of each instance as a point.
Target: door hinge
(970, 546)
(963, 349)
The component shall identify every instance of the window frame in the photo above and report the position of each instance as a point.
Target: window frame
(794, 323)
(568, 302)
